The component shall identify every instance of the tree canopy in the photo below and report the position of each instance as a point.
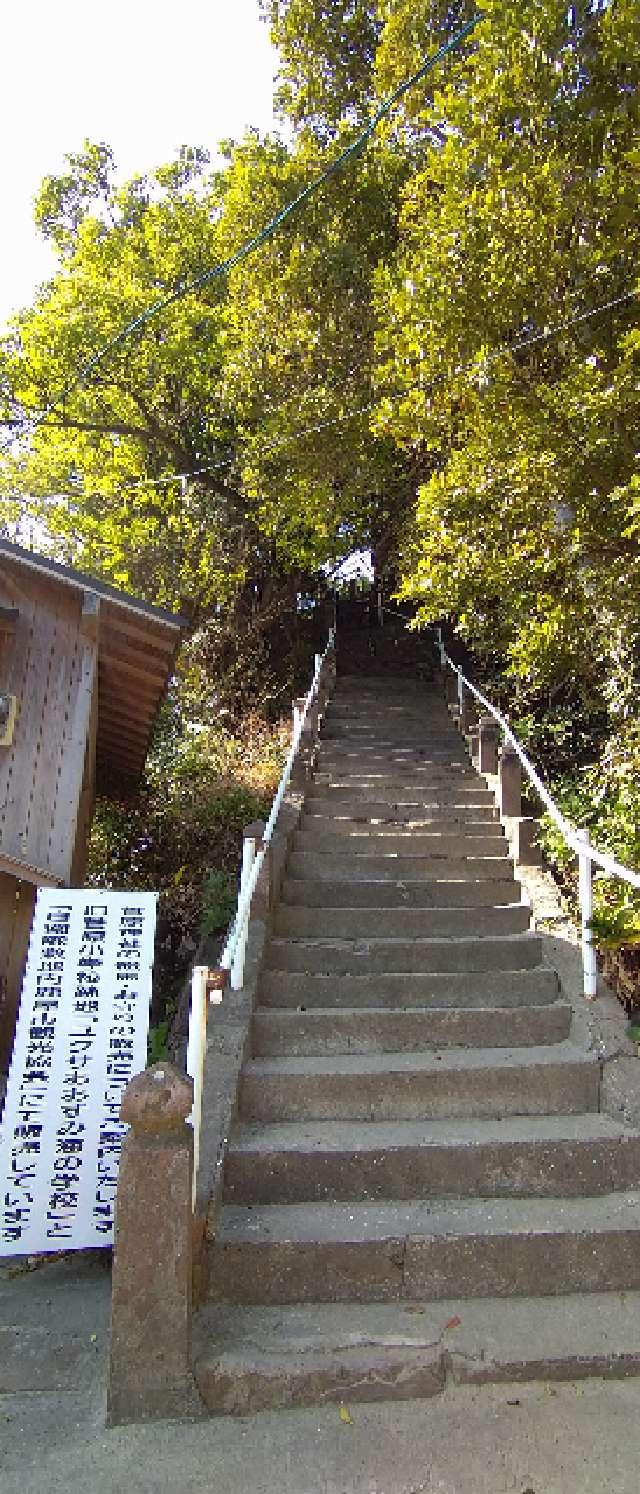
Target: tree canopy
(436, 356)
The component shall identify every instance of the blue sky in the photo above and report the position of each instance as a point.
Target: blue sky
(144, 76)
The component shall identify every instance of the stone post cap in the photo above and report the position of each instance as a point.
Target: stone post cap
(488, 723)
(217, 979)
(157, 1101)
(254, 831)
(507, 750)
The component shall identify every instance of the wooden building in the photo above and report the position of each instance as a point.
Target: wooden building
(83, 668)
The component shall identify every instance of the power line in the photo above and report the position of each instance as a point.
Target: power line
(515, 347)
(281, 443)
(266, 233)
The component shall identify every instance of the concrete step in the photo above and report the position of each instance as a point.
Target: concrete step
(382, 747)
(374, 842)
(414, 825)
(415, 1250)
(465, 989)
(406, 734)
(390, 867)
(337, 789)
(393, 761)
(438, 770)
(381, 1030)
(313, 893)
(383, 724)
(403, 726)
(565, 1156)
(434, 813)
(451, 761)
(462, 1082)
(404, 956)
(395, 788)
(250, 1359)
(378, 739)
(377, 718)
(424, 700)
(399, 923)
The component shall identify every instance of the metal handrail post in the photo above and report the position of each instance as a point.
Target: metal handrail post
(585, 892)
(578, 840)
(196, 1047)
(237, 963)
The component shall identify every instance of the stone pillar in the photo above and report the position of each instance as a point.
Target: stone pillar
(451, 687)
(150, 1371)
(468, 714)
(327, 679)
(510, 784)
(474, 744)
(489, 738)
(297, 707)
(524, 849)
(254, 831)
(263, 896)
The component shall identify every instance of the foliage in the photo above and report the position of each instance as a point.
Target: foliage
(525, 528)
(605, 800)
(327, 52)
(183, 834)
(157, 1042)
(219, 895)
(406, 364)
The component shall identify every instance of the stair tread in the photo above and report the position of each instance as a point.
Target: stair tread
(374, 1009)
(370, 892)
(446, 1166)
(462, 940)
(456, 884)
(434, 1059)
(355, 1222)
(264, 1357)
(403, 979)
(285, 990)
(360, 1136)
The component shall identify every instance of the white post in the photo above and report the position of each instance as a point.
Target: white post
(317, 665)
(441, 646)
(237, 964)
(196, 1045)
(585, 887)
(460, 690)
(297, 721)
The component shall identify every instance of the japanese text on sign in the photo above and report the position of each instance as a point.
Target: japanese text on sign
(81, 1035)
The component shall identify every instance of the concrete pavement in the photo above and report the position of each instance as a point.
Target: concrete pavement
(575, 1438)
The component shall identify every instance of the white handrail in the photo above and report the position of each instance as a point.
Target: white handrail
(251, 871)
(577, 839)
(233, 954)
(196, 1047)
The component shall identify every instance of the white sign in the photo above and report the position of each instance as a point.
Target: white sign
(81, 1035)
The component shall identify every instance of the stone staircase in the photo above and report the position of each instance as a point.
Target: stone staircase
(420, 1182)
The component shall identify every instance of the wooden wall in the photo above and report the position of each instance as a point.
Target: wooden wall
(17, 901)
(47, 774)
(50, 666)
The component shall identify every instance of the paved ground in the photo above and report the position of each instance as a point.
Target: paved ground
(538, 1439)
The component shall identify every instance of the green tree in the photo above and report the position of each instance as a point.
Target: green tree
(521, 220)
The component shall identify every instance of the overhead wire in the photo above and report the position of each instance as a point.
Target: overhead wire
(282, 443)
(206, 277)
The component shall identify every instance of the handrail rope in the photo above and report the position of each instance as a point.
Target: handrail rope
(270, 228)
(581, 847)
